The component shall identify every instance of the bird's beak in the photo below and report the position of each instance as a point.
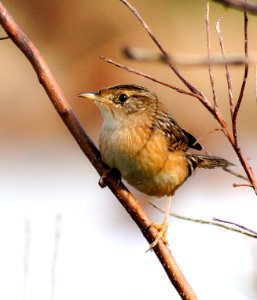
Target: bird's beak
(91, 96)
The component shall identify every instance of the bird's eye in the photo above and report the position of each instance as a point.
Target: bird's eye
(123, 98)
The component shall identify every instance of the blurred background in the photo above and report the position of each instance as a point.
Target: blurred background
(62, 237)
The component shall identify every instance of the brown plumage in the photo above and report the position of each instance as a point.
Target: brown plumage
(140, 138)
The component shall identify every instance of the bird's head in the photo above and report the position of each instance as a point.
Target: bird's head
(123, 102)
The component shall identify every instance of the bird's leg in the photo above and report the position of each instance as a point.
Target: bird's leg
(114, 173)
(162, 228)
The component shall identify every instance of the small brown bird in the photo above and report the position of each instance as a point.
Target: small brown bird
(140, 138)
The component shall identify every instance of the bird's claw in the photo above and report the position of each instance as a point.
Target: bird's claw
(162, 234)
(114, 173)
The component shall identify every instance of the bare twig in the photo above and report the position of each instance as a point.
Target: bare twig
(247, 168)
(237, 149)
(70, 119)
(200, 138)
(241, 94)
(236, 174)
(216, 222)
(229, 80)
(240, 4)
(131, 70)
(254, 233)
(207, 22)
(4, 38)
(242, 184)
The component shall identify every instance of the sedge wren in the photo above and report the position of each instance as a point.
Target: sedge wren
(145, 144)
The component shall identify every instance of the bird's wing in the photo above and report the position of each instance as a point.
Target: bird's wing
(177, 137)
(192, 141)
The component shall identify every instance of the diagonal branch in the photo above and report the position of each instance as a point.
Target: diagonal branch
(239, 4)
(71, 121)
(134, 71)
(245, 230)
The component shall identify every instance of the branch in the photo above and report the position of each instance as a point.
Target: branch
(134, 71)
(207, 24)
(228, 76)
(246, 231)
(241, 94)
(239, 4)
(70, 119)
(146, 55)
(242, 184)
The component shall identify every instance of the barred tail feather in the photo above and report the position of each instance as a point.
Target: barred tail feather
(209, 162)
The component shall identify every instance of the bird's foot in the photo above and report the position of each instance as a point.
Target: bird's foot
(114, 173)
(162, 234)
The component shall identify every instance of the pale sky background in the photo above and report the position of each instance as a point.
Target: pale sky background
(62, 237)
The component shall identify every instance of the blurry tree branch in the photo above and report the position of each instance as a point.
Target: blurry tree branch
(146, 55)
(71, 121)
(239, 4)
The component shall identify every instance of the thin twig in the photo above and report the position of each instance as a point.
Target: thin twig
(233, 140)
(4, 38)
(242, 185)
(239, 4)
(236, 174)
(131, 70)
(237, 225)
(70, 119)
(207, 24)
(200, 138)
(241, 94)
(216, 222)
(229, 80)
(255, 75)
(247, 168)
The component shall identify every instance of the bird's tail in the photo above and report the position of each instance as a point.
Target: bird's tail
(208, 162)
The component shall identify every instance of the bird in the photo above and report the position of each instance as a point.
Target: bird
(141, 139)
